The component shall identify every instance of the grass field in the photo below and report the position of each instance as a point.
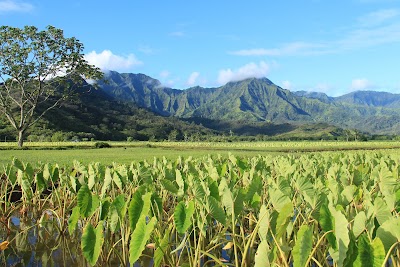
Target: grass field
(125, 152)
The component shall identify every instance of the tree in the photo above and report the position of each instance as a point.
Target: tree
(38, 70)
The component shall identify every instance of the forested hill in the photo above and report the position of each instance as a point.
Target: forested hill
(259, 100)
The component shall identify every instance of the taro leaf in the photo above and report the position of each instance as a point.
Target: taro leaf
(29, 173)
(352, 251)
(116, 212)
(18, 164)
(26, 186)
(227, 197)
(180, 182)
(327, 224)
(359, 223)
(342, 237)
(11, 174)
(92, 177)
(46, 172)
(105, 207)
(91, 242)
(278, 199)
(139, 238)
(40, 182)
(389, 232)
(183, 216)
(56, 174)
(199, 190)
(117, 180)
(138, 207)
(87, 202)
(214, 191)
(73, 220)
(263, 223)
(107, 181)
(303, 246)
(382, 211)
(261, 258)
(161, 249)
(283, 219)
(254, 187)
(239, 201)
(216, 210)
(369, 254)
(169, 186)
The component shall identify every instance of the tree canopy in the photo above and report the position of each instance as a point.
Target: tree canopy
(38, 70)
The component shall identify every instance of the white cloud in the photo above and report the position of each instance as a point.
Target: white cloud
(287, 85)
(15, 6)
(177, 34)
(322, 87)
(294, 48)
(251, 70)
(164, 74)
(361, 84)
(378, 17)
(373, 29)
(106, 60)
(146, 49)
(193, 78)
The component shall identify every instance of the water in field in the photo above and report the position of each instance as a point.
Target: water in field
(34, 243)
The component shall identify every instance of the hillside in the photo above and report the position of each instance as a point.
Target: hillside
(259, 100)
(138, 107)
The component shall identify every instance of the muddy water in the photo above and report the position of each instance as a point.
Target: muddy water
(34, 243)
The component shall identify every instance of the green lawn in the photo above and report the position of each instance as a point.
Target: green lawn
(123, 152)
(109, 155)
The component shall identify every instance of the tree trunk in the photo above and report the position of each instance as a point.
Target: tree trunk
(21, 135)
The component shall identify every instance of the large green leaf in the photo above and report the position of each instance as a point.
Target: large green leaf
(342, 237)
(261, 257)
(283, 219)
(369, 254)
(359, 223)
(180, 182)
(40, 182)
(140, 237)
(327, 224)
(161, 249)
(216, 210)
(138, 207)
(87, 202)
(382, 211)
(389, 232)
(263, 222)
(169, 186)
(73, 220)
(303, 246)
(107, 182)
(91, 242)
(116, 212)
(183, 215)
(117, 180)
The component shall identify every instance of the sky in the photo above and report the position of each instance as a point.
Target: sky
(326, 46)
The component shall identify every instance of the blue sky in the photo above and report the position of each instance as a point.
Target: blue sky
(315, 45)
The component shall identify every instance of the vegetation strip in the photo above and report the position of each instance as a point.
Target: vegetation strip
(328, 209)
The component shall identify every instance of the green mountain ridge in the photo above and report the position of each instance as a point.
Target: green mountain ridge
(259, 100)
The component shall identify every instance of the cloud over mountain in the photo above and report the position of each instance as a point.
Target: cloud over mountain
(251, 70)
(106, 60)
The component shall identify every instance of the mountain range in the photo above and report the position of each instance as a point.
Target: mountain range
(136, 106)
(259, 100)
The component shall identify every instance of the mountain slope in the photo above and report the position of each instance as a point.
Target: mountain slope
(259, 100)
(371, 98)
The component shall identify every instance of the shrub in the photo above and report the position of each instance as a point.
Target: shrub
(101, 145)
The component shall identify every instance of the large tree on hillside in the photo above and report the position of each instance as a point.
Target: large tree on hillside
(38, 70)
